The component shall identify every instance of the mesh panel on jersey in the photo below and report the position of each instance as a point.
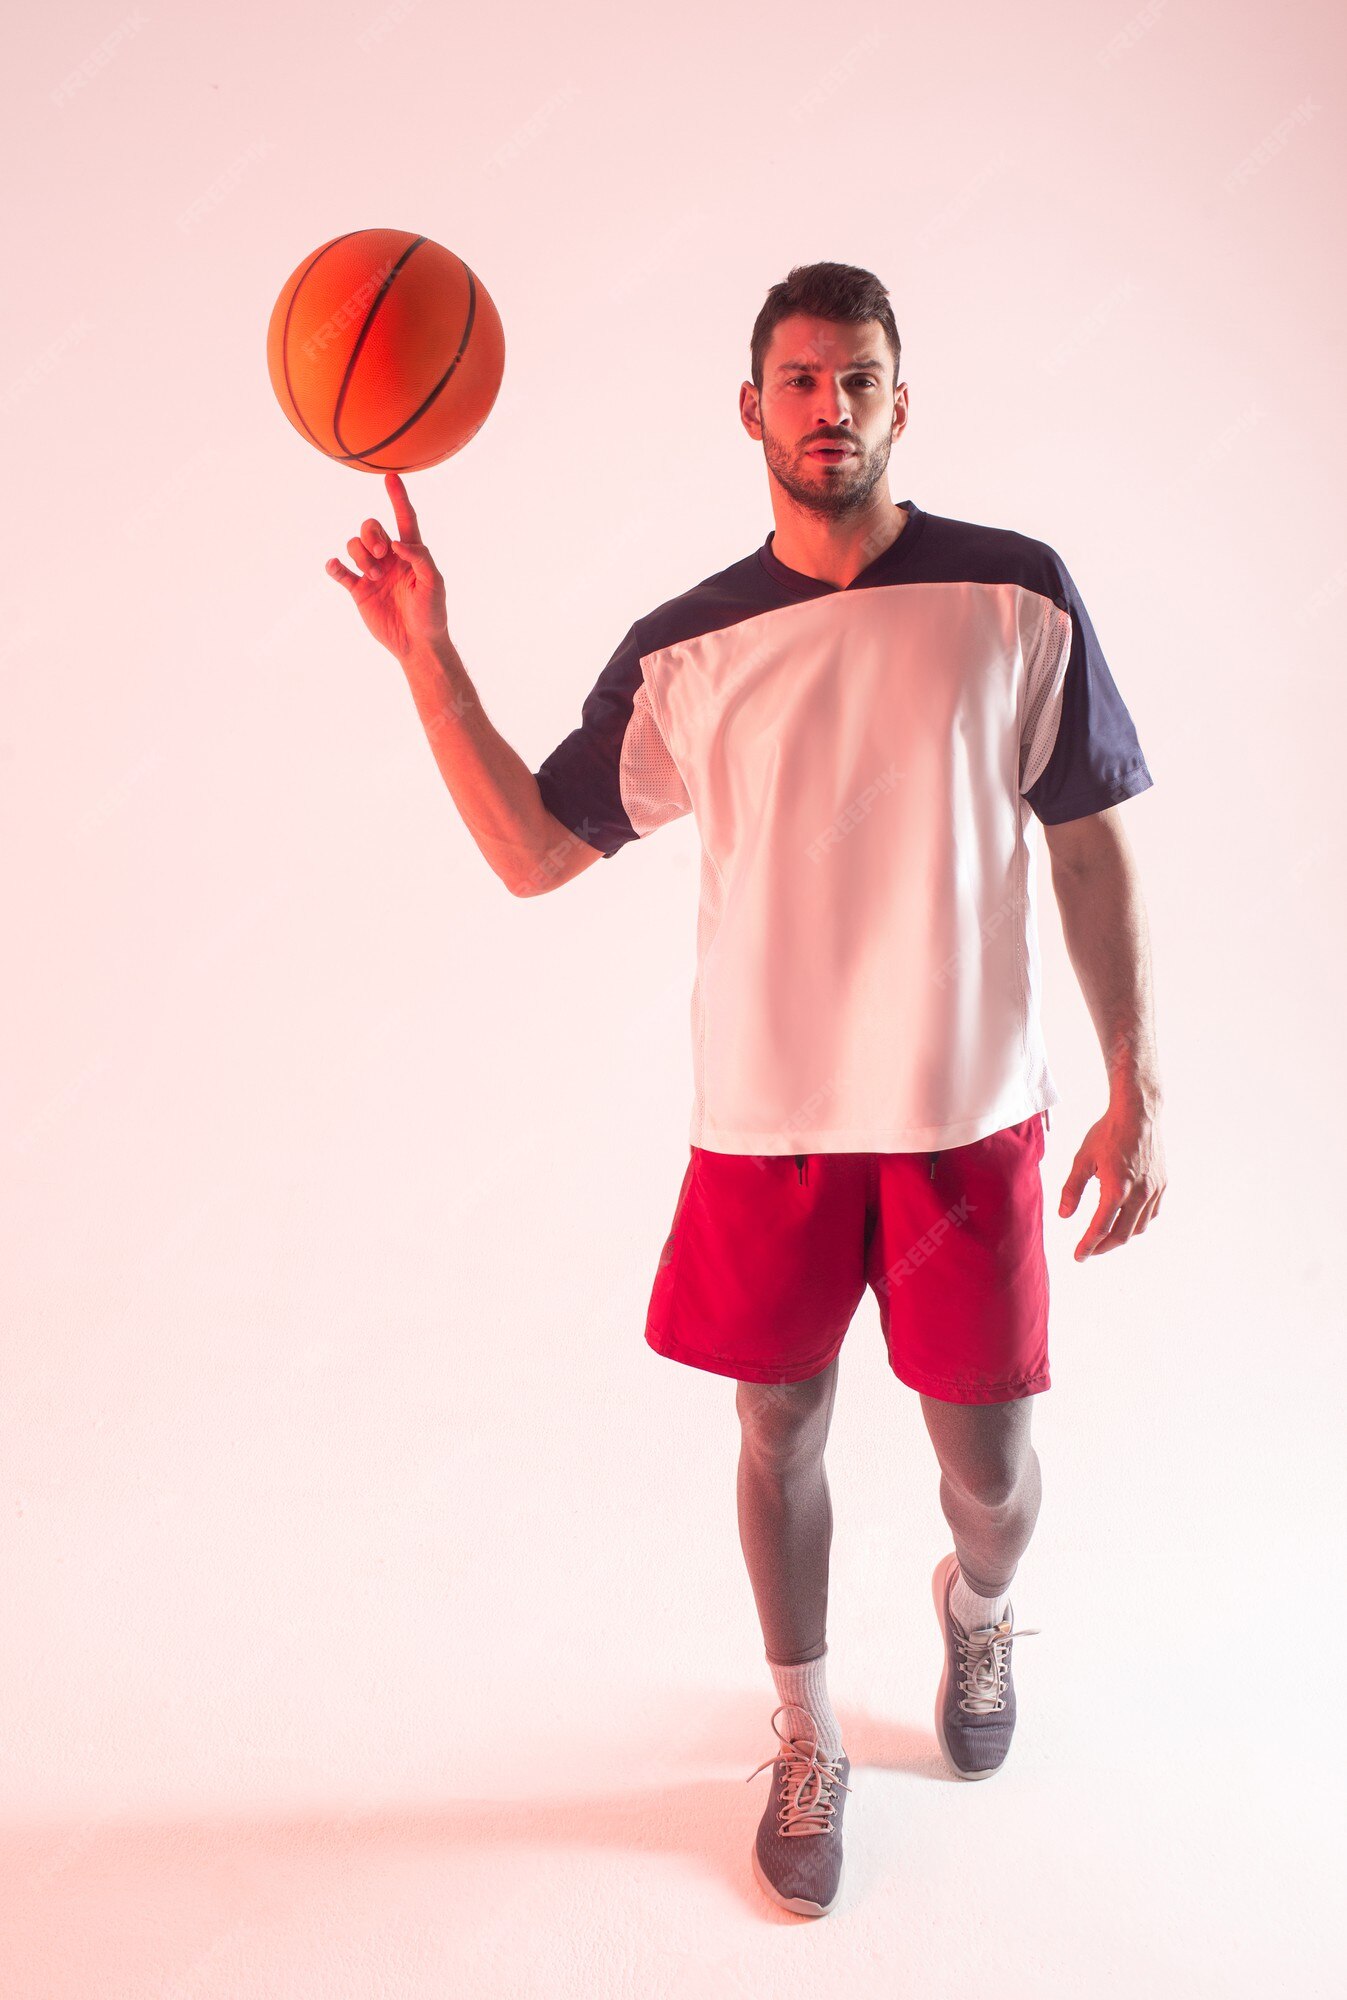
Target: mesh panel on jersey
(652, 787)
(711, 902)
(1045, 676)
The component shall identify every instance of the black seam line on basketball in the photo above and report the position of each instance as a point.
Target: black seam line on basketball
(354, 355)
(285, 333)
(362, 457)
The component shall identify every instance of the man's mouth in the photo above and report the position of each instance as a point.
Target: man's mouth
(831, 451)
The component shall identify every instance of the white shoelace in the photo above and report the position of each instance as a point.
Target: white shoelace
(984, 1659)
(800, 1813)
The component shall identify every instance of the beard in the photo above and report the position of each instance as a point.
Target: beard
(844, 489)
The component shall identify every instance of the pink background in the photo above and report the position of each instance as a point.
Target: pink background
(375, 1618)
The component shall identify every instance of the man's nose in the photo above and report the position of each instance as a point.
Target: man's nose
(832, 412)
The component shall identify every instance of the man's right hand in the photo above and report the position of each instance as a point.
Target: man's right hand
(399, 592)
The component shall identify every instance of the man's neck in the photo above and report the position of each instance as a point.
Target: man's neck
(836, 552)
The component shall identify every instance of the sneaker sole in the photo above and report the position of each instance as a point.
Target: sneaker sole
(938, 1582)
(801, 1905)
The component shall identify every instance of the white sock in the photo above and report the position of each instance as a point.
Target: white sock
(972, 1610)
(805, 1688)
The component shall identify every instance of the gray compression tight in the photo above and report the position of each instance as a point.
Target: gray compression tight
(990, 1490)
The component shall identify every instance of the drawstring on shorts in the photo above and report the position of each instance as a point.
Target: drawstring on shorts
(802, 1166)
(802, 1159)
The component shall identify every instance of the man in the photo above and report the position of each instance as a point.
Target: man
(862, 714)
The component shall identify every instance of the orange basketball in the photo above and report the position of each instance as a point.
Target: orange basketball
(385, 350)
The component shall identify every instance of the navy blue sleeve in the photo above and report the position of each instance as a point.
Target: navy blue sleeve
(1095, 760)
(580, 780)
(613, 779)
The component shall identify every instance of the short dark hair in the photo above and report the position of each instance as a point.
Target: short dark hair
(825, 291)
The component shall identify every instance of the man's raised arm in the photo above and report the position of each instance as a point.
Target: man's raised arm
(400, 595)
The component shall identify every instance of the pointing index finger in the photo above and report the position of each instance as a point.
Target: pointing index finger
(405, 513)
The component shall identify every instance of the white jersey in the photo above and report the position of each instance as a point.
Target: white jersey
(862, 763)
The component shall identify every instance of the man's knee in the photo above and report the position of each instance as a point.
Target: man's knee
(783, 1421)
(996, 1479)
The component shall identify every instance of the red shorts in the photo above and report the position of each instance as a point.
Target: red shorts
(770, 1254)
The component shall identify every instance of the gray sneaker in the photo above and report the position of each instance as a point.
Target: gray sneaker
(797, 1853)
(975, 1706)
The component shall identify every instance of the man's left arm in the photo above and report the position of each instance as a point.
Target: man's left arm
(1098, 888)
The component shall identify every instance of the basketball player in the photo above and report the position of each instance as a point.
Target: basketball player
(863, 714)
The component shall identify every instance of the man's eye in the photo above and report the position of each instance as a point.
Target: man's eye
(793, 379)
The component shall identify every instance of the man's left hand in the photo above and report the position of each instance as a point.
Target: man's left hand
(1125, 1152)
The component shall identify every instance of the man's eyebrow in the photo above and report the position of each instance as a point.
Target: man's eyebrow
(866, 361)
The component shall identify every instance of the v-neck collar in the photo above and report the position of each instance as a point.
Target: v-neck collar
(817, 586)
